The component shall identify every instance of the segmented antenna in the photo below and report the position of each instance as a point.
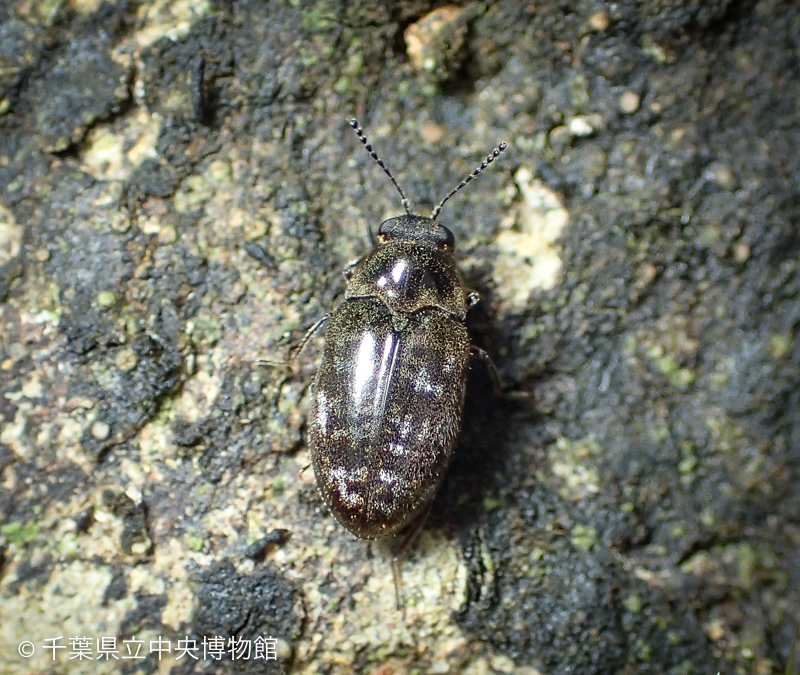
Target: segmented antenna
(486, 162)
(361, 137)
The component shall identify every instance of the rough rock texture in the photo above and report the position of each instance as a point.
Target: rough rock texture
(179, 193)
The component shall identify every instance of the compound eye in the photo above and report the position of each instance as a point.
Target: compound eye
(389, 228)
(447, 237)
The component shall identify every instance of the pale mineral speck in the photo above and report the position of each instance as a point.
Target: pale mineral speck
(100, 430)
(599, 21)
(629, 102)
(721, 174)
(126, 360)
(10, 236)
(432, 133)
(741, 252)
(423, 36)
(581, 126)
(106, 299)
(283, 649)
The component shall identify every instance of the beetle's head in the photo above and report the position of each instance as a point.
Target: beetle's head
(420, 228)
(416, 228)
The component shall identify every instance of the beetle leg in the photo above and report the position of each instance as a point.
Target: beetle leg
(270, 363)
(397, 577)
(473, 298)
(309, 334)
(350, 269)
(497, 382)
(399, 547)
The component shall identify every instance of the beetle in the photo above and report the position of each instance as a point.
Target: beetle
(388, 396)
